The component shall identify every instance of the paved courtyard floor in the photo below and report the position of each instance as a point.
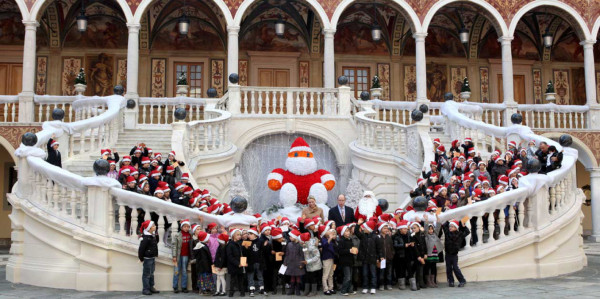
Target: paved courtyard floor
(581, 285)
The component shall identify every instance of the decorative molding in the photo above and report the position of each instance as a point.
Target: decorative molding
(598, 86)
(54, 24)
(159, 77)
(144, 33)
(397, 36)
(41, 77)
(304, 74)
(383, 72)
(537, 86)
(13, 133)
(216, 76)
(133, 5)
(315, 44)
(562, 86)
(410, 82)
(475, 36)
(243, 72)
(70, 69)
(233, 6)
(484, 84)
(457, 75)
(122, 72)
(329, 6)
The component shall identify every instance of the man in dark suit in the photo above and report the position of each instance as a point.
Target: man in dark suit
(341, 214)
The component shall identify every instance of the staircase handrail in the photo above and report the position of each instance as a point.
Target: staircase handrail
(9, 99)
(172, 100)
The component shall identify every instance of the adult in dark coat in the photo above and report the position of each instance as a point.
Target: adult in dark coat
(341, 214)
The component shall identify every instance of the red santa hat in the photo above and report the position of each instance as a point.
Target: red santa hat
(477, 192)
(454, 223)
(512, 143)
(130, 179)
(54, 142)
(433, 163)
(499, 188)
(299, 145)
(149, 150)
(210, 226)
(172, 153)
(497, 153)
(145, 160)
(143, 184)
(214, 209)
(126, 159)
(137, 150)
(154, 173)
(441, 149)
(178, 186)
(512, 170)
(471, 150)
(420, 181)
(294, 234)
(214, 201)
(308, 222)
(193, 202)
(455, 143)
(437, 141)
(276, 233)
(481, 163)
(158, 190)
(499, 158)
(184, 222)
(461, 190)
(185, 176)
(432, 202)
(227, 210)
(508, 153)
(253, 231)
(322, 231)
(285, 221)
(468, 139)
(223, 238)
(329, 224)
(402, 224)
(381, 226)
(491, 192)
(454, 195)
(203, 237)
(142, 178)
(398, 211)
(170, 169)
(415, 223)
(517, 162)
(503, 180)
(521, 174)
(194, 228)
(305, 237)
(112, 162)
(385, 217)
(264, 228)
(440, 188)
(234, 230)
(104, 152)
(157, 155)
(146, 226)
(369, 226)
(258, 217)
(205, 193)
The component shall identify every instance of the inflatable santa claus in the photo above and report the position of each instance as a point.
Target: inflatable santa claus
(301, 177)
(368, 206)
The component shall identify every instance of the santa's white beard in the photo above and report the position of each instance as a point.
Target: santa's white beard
(367, 206)
(301, 165)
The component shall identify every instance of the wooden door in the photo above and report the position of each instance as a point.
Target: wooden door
(358, 79)
(270, 77)
(194, 72)
(11, 76)
(518, 88)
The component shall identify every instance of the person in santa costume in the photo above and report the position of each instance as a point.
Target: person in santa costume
(301, 177)
(368, 206)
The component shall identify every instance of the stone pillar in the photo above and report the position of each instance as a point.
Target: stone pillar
(133, 54)
(328, 59)
(234, 103)
(590, 72)
(26, 109)
(344, 96)
(595, 184)
(421, 68)
(232, 50)
(507, 70)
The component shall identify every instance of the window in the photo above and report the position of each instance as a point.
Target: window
(193, 72)
(358, 79)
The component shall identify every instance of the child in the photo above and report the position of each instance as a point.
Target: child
(267, 257)
(255, 263)
(53, 153)
(277, 247)
(194, 232)
(346, 259)
(181, 250)
(295, 263)
(401, 256)
(147, 254)
(455, 234)
(234, 267)
(327, 256)
(384, 241)
(221, 265)
(203, 264)
(434, 253)
(420, 254)
(312, 259)
(369, 253)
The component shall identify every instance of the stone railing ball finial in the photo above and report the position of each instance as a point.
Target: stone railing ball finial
(101, 167)
(383, 204)
(234, 78)
(365, 95)
(119, 90)
(424, 108)
(533, 165)
(29, 139)
(342, 80)
(58, 114)
(130, 104)
(180, 113)
(420, 203)
(565, 140)
(448, 97)
(211, 92)
(516, 118)
(239, 204)
(416, 115)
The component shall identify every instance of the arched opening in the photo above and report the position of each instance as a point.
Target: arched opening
(12, 37)
(456, 32)
(546, 47)
(360, 55)
(8, 173)
(268, 152)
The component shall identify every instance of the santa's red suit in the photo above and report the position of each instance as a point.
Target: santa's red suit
(368, 207)
(301, 178)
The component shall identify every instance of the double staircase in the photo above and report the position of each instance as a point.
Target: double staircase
(69, 228)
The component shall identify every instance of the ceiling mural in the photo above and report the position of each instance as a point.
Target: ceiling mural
(12, 29)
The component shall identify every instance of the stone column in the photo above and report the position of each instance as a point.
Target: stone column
(421, 68)
(232, 50)
(507, 70)
(133, 54)
(328, 59)
(26, 111)
(595, 184)
(590, 72)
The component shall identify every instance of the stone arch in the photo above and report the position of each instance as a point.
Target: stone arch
(239, 15)
(586, 155)
(139, 13)
(39, 6)
(23, 9)
(405, 8)
(580, 26)
(596, 28)
(496, 18)
(9, 148)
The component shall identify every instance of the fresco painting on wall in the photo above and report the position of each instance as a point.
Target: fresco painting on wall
(568, 50)
(578, 87)
(159, 76)
(100, 72)
(383, 72)
(410, 82)
(561, 86)
(243, 72)
(355, 38)
(537, 86)
(484, 80)
(71, 66)
(41, 75)
(441, 43)
(122, 72)
(598, 85)
(102, 32)
(12, 29)
(457, 75)
(216, 76)
(304, 74)
(201, 37)
(521, 47)
(263, 38)
(437, 82)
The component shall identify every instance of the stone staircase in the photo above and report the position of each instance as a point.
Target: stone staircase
(159, 140)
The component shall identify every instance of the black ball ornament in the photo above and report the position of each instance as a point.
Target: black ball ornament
(383, 204)
(365, 95)
(211, 92)
(119, 90)
(101, 167)
(342, 80)
(234, 78)
(534, 165)
(516, 118)
(420, 203)
(238, 204)
(416, 115)
(424, 108)
(448, 97)
(180, 113)
(58, 114)
(130, 104)
(565, 140)
(29, 139)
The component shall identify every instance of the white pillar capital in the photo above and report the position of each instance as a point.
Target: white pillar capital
(329, 33)
(134, 28)
(233, 30)
(588, 44)
(420, 36)
(505, 40)
(31, 25)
